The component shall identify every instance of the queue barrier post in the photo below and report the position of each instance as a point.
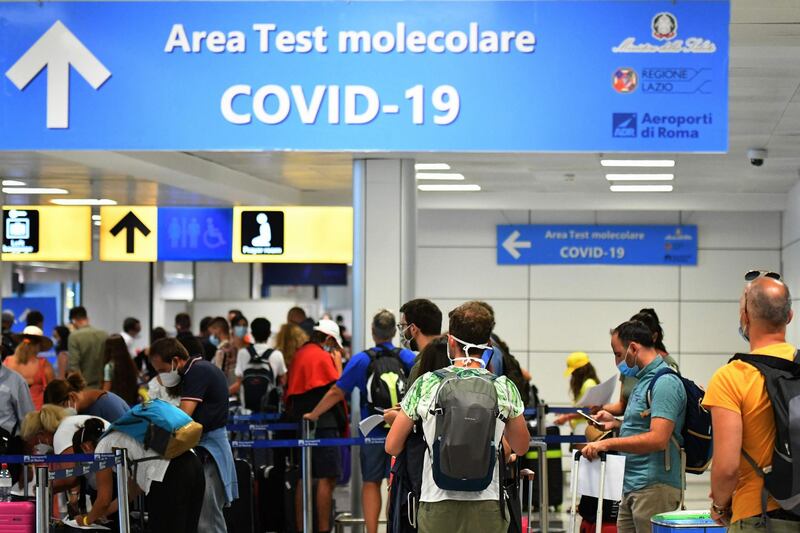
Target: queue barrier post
(528, 475)
(308, 498)
(544, 495)
(42, 500)
(122, 491)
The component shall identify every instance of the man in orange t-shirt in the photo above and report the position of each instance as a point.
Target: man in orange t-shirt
(742, 414)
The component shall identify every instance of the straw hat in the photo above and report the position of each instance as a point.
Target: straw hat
(34, 334)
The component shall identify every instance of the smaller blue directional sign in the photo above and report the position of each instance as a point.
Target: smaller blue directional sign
(194, 234)
(596, 245)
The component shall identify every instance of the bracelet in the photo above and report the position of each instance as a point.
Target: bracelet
(720, 510)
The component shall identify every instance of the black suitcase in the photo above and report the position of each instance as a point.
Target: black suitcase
(555, 473)
(240, 516)
(277, 490)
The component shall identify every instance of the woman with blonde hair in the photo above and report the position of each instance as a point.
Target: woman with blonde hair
(37, 371)
(290, 338)
(39, 427)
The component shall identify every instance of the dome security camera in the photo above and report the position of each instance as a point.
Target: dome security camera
(757, 156)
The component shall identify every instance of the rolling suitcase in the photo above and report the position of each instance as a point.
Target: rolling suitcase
(240, 516)
(599, 526)
(277, 489)
(17, 517)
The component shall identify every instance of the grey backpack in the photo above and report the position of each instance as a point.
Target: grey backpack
(464, 452)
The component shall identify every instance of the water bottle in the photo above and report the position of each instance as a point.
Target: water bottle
(5, 483)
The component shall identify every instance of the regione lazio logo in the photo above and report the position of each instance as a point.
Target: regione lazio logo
(624, 125)
(665, 26)
(625, 80)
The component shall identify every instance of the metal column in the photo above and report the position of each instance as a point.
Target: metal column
(308, 482)
(359, 310)
(408, 230)
(122, 491)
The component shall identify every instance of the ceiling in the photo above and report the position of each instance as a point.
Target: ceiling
(764, 113)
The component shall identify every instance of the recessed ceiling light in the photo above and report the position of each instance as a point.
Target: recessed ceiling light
(439, 176)
(34, 190)
(449, 188)
(97, 222)
(83, 201)
(641, 188)
(663, 163)
(95, 217)
(13, 183)
(640, 177)
(431, 166)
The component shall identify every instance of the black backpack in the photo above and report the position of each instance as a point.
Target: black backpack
(697, 439)
(782, 380)
(386, 379)
(261, 393)
(513, 371)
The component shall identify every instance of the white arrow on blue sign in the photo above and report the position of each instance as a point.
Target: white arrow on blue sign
(57, 50)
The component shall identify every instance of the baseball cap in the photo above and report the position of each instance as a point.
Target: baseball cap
(330, 328)
(576, 360)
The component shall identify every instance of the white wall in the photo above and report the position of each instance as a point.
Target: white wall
(791, 256)
(545, 312)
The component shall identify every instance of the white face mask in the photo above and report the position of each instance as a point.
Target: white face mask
(43, 449)
(170, 379)
(467, 346)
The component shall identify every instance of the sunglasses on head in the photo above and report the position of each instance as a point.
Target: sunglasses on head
(755, 274)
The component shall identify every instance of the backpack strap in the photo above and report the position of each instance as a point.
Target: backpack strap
(775, 363)
(764, 494)
(252, 351)
(649, 399)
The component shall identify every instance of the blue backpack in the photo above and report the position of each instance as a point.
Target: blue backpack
(160, 427)
(696, 433)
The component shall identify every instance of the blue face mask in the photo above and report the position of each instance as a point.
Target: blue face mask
(240, 331)
(625, 370)
(214, 340)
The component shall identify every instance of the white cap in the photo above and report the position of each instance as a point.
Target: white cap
(330, 328)
(66, 430)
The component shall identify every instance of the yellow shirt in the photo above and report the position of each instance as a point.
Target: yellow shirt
(739, 387)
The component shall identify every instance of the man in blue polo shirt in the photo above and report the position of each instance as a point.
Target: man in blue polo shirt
(375, 462)
(650, 433)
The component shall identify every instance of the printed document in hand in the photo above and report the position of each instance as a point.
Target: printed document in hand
(97, 527)
(370, 423)
(600, 394)
(589, 477)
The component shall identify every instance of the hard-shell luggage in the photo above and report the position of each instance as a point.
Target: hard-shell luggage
(17, 517)
(598, 525)
(240, 516)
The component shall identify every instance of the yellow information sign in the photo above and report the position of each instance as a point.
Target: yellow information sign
(46, 233)
(293, 234)
(129, 233)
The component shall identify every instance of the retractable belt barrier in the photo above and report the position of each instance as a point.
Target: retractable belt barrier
(86, 463)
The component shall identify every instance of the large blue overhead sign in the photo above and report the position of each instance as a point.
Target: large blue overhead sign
(582, 245)
(357, 76)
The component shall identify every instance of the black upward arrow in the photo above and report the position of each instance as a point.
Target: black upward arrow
(130, 222)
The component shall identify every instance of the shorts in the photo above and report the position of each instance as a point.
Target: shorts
(375, 463)
(326, 462)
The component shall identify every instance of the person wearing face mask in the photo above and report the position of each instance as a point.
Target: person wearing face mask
(647, 433)
(173, 488)
(375, 464)
(72, 394)
(461, 511)
(227, 353)
(204, 397)
(314, 370)
(420, 323)
(741, 410)
(627, 378)
(240, 328)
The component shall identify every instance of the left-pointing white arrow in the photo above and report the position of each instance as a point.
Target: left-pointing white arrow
(512, 245)
(57, 49)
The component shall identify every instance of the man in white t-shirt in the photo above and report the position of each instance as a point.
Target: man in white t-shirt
(261, 330)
